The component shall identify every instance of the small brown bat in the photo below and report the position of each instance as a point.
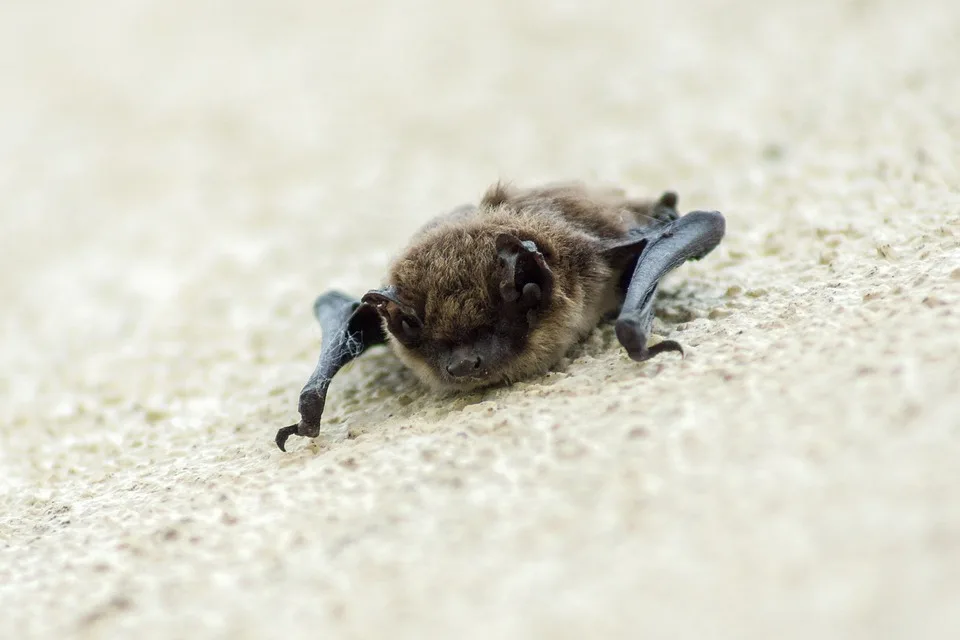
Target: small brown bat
(494, 293)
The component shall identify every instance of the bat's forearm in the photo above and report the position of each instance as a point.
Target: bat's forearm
(688, 238)
(348, 330)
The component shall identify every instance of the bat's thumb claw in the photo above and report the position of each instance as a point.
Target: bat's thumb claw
(634, 340)
(300, 429)
(664, 346)
(283, 434)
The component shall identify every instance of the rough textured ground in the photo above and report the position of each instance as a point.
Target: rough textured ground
(179, 179)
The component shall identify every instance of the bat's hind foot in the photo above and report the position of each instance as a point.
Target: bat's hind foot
(665, 209)
(662, 211)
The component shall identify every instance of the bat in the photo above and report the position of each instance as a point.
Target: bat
(498, 292)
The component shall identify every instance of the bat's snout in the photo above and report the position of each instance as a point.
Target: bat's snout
(461, 366)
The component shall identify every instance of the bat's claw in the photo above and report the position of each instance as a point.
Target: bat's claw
(299, 429)
(283, 434)
(634, 340)
(663, 347)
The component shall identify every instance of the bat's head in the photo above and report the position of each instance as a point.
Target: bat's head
(475, 306)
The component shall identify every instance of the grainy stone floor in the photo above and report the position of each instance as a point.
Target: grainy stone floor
(178, 180)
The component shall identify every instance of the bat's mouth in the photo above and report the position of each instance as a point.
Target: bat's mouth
(483, 378)
(467, 379)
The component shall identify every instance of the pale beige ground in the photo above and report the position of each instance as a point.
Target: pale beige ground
(179, 179)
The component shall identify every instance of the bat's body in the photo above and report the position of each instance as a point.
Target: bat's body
(501, 291)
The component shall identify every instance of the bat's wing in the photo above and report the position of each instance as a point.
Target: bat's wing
(349, 328)
(661, 249)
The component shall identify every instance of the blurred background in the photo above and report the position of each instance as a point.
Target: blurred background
(178, 180)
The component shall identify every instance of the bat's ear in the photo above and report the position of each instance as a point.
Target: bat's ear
(401, 319)
(526, 281)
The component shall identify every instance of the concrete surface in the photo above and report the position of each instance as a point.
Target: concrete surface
(180, 179)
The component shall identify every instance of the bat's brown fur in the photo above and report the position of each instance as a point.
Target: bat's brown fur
(448, 274)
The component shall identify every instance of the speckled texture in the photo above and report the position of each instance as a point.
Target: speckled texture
(180, 179)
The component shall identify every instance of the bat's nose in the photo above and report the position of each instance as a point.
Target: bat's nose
(465, 366)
